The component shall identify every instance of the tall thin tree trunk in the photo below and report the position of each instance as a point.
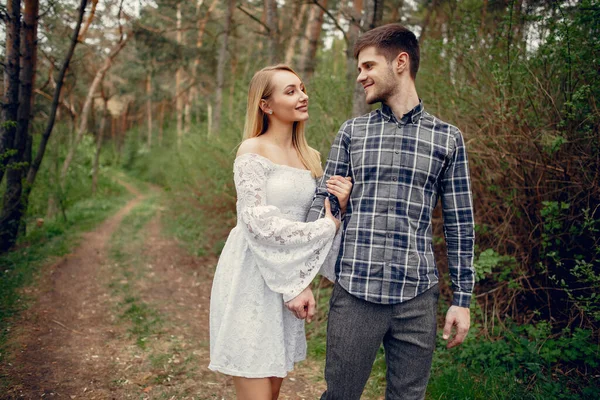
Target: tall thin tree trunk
(234, 63)
(178, 78)
(271, 22)
(161, 119)
(98, 78)
(221, 67)
(312, 37)
(12, 67)
(99, 144)
(148, 107)
(201, 25)
(372, 17)
(291, 46)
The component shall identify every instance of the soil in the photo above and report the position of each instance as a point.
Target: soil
(73, 342)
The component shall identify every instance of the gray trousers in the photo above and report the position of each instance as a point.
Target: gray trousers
(355, 331)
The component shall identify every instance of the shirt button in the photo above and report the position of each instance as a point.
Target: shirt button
(394, 179)
(390, 235)
(397, 152)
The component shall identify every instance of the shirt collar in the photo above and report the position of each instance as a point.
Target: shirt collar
(412, 116)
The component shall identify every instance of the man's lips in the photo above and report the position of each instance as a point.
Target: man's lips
(367, 86)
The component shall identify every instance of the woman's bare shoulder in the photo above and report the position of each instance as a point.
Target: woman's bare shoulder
(253, 145)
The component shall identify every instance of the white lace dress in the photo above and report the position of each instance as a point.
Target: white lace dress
(269, 258)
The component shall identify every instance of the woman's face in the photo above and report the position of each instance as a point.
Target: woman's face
(288, 101)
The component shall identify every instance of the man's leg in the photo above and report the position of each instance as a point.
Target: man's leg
(355, 329)
(409, 346)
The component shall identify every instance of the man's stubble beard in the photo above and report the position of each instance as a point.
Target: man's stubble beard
(387, 91)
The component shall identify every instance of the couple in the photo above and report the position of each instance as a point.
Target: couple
(368, 229)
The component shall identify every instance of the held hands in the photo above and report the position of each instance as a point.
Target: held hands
(340, 187)
(461, 318)
(303, 306)
(329, 215)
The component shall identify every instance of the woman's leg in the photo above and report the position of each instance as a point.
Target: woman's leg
(275, 387)
(253, 388)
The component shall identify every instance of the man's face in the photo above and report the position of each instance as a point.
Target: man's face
(376, 76)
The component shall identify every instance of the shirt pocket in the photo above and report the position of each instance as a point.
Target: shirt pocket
(424, 162)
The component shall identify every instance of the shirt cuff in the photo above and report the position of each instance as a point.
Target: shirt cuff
(461, 299)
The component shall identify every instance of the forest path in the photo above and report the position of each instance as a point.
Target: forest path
(125, 316)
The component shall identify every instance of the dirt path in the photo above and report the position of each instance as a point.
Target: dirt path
(77, 340)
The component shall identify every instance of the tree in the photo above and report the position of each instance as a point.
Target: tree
(16, 197)
(223, 53)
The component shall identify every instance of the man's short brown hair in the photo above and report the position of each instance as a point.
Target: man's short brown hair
(390, 40)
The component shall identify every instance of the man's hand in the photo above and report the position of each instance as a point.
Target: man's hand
(461, 318)
(304, 305)
(340, 187)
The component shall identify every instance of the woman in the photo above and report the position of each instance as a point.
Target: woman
(271, 256)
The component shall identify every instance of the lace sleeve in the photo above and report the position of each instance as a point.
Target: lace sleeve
(289, 253)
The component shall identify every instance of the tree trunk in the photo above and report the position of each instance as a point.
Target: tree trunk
(273, 36)
(99, 145)
(312, 36)
(234, 63)
(372, 18)
(161, 119)
(291, 46)
(178, 78)
(192, 99)
(148, 107)
(88, 104)
(27, 95)
(12, 67)
(221, 67)
(88, 22)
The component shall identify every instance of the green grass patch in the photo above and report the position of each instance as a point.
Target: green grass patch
(126, 251)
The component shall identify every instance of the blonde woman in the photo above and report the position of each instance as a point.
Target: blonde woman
(261, 295)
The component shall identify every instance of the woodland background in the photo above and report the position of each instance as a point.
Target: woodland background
(157, 89)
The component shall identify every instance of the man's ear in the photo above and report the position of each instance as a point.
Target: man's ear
(401, 63)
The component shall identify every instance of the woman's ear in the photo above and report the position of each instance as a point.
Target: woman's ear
(265, 107)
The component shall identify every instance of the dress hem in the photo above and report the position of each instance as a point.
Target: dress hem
(242, 374)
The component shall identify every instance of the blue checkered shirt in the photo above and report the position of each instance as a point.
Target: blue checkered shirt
(400, 168)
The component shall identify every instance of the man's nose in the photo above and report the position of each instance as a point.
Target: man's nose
(361, 77)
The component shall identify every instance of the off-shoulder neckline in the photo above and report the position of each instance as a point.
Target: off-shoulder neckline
(271, 162)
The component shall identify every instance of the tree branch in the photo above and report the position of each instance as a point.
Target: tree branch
(254, 18)
(326, 11)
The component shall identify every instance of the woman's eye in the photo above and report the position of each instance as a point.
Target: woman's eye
(291, 92)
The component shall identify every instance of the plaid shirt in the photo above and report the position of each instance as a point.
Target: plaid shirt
(399, 169)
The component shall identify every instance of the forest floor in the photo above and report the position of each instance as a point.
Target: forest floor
(125, 315)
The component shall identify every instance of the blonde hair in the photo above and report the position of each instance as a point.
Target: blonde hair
(257, 121)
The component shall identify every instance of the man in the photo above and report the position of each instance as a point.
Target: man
(401, 159)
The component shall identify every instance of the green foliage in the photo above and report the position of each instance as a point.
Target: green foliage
(527, 362)
(571, 255)
(489, 261)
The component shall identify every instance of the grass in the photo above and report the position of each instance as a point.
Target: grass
(125, 252)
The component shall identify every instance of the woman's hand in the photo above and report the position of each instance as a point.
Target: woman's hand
(329, 215)
(340, 187)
